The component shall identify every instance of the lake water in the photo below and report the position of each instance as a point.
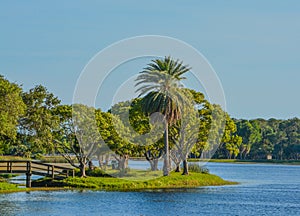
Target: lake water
(264, 190)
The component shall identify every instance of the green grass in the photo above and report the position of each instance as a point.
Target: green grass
(135, 175)
(53, 159)
(6, 187)
(175, 180)
(147, 180)
(7, 157)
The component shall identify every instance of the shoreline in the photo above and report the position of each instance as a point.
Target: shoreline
(238, 161)
(20, 190)
(174, 181)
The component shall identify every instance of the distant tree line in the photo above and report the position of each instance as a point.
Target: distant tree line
(264, 139)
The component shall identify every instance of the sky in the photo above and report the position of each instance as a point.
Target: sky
(252, 45)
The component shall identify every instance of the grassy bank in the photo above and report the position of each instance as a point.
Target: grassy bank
(289, 162)
(175, 180)
(132, 180)
(6, 187)
(12, 188)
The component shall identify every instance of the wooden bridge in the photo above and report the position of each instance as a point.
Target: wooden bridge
(35, 168)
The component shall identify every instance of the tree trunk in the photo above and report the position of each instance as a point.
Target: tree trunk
(107, 158)
(177, 168)
(154, 164)
(151, 165)
(83, 166)
(123, 162)
(166, 169)
(241, 155)
(100, 161)
(185, 167)
(153, 159)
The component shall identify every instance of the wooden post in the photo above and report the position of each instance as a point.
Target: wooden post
(9, 167)
(52, 171)
(28, 174)
(73, 173)
(28, 180)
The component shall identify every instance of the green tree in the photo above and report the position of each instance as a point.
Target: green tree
(11, 109)
(78, 135)
(231, 142)
(139, 130)
(215, 127)
(152, 149)
(233, 145)
(189, 133)
(268, 139)
(250, 131)
(159, 83)
(39, 122)
(184, 136)
(231, 139)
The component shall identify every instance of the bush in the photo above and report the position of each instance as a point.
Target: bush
(97, 172)
(198, 169)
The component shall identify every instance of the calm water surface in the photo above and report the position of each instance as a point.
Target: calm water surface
(264, 190)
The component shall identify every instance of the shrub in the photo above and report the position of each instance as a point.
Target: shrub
(97, 172)
(198, 169)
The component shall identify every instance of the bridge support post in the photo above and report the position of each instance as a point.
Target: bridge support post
(28, 174)
(52, 172)
(28, 180)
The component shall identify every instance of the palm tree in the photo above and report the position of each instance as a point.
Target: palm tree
(159, 83)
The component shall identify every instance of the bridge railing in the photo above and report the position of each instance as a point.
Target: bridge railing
(36, 168)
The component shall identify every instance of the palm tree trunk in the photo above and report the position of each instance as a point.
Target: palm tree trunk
(166, 168)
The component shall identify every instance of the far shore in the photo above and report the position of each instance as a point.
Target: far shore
(61, 160)
(284, 162)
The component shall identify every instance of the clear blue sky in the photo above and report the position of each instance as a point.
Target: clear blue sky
(254, 46)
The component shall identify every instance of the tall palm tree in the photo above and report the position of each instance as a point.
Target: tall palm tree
(159, 83)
